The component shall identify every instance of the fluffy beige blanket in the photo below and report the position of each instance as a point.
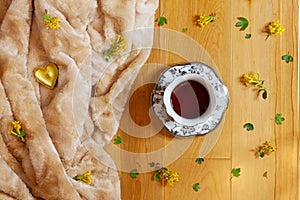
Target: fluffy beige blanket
(67, 127)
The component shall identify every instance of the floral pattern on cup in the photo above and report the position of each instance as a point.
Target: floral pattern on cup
(219, 89)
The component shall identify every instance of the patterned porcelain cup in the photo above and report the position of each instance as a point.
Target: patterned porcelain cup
(189, 99)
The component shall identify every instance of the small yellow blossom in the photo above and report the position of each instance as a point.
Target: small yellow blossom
(17, 130)
(86, 177)
(274, 28)
(118, 45)
(173, 177)
(266, 149)
(51, 22)
(254, 79)
(166, 176)
(204, 19)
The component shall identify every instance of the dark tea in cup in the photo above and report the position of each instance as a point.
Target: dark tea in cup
(190, 99)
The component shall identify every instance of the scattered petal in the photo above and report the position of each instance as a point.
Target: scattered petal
(287, 58)
(265, 174)
(279, 119)
(199, 160)
(236, 172)
(254, 79)
(51, 22)
(161, 21)
(274, 28)
(133, 173)
(152, 164)
(118, 140)
(17, 130)
(86, 177)
(249, 126)
(243, 23)
(248, 36)
(118, 45)
(205, 19)
(196, 187)
(266, 149)
(166, 176)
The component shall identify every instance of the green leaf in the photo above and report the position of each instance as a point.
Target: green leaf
(184, 30)
(236, 172)
(265, 94)
(196, 187)
(46, 17)
(199, 160)
(288, 58)
(157, 176)
(118, 140)
(134, 173)
(152, 164)
(161, 21)
(249, 126)
(265, 174)
(279, 119)
(248, 36)
(22, 133)
(243, 23)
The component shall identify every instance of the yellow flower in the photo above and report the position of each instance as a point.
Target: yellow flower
(204, 19)
(172, 178)
(17, 130)
(254, 79)
(250, 78)
(270, 146)
(118, 45)
(266, 149)
(86, 177)
(51, 22)
(166, 176)
(274, 28)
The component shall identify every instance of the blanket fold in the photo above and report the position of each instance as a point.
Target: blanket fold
(66, 128)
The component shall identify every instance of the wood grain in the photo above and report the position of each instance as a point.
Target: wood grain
(233, 56)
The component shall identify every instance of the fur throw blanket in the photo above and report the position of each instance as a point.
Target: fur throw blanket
(66, 127)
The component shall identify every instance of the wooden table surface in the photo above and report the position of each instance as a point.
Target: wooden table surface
(233, 55)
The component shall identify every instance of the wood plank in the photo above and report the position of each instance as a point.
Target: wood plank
(263, 56)
(248, 106)
(287, 103)
(213, 176)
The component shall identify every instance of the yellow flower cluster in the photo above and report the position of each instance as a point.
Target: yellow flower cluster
(51, 22)
(118, 45)
(275, 28)
(254, 79)
(17, 130)
(204, 19)
(164, 175)
(172, 178)
(86, 177)
(266, 149)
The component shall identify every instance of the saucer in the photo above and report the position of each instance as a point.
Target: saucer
(219, 89)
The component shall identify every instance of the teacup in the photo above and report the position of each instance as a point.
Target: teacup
(189, 99)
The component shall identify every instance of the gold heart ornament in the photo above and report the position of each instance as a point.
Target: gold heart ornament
(47, 75)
